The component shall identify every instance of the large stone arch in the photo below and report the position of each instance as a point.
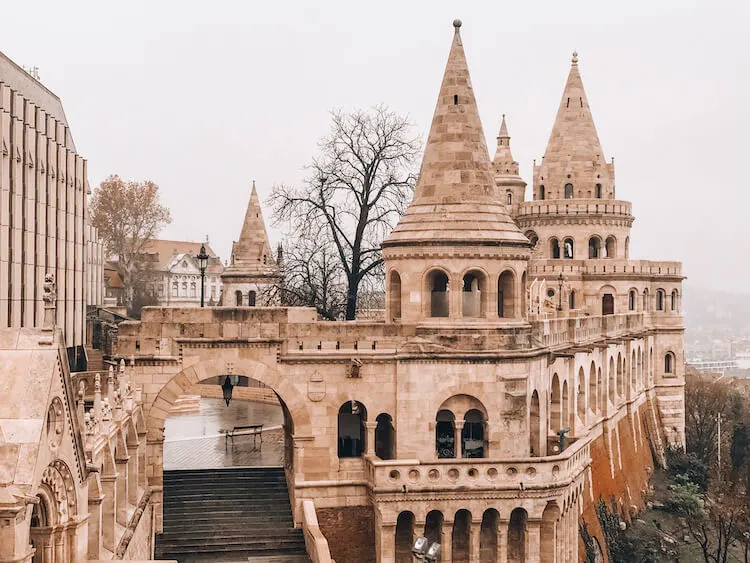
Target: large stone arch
(181, 383)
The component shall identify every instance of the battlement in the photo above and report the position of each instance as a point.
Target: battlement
(604, 266)
(610, 207)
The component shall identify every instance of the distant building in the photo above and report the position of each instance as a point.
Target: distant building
(44, 227)
(175, 275)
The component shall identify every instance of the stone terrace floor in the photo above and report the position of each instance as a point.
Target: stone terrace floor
(193, 440)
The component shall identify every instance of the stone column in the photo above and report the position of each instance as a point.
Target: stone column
(385, 540)
(72, 542)
(474, 541)
(59, 539)
(533, 541)
(109, 511)
(95, 526)
(502, 541)
(458, 426)
(446, 540)
(370, 438)
(122, 489)
(155, 474)
(133, 474)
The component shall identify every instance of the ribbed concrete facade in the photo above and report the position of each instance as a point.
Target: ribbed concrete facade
(43, 210)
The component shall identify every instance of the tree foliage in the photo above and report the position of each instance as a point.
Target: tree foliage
(357, 188)
(128, 215)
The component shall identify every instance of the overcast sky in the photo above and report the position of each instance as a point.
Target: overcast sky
(202, 97)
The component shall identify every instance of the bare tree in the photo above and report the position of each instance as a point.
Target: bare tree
(705, 400)
(128, 215)
(356, 190)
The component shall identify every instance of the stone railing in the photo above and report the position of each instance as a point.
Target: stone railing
(315, 542)
(603, 266)
(466, 474)
(580, 330)
(574, 207)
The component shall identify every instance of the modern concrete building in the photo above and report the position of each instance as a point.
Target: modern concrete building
(43, 211)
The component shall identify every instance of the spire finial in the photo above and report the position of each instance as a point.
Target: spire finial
(574, 60)
(457, 23)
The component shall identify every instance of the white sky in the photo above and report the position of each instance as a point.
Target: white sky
(202, 97)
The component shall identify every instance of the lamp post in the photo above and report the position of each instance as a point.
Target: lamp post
(202, 264)
(559, 292)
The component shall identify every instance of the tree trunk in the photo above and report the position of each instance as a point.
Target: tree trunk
(351, 298)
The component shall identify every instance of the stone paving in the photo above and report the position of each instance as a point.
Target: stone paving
(194, 441)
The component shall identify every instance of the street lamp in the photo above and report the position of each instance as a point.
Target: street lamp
(423, 550)
(202, 264)
(559, 291)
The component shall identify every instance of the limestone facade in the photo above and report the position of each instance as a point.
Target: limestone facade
(43, 210)
(473, 413)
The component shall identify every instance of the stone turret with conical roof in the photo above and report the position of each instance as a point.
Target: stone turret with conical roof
(574, 166)
(456, 253)
(252, 268)
(509, 182)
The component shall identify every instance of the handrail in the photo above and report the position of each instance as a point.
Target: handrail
(315, 542)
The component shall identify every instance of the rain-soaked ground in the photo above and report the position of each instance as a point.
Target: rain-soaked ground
(194, 441)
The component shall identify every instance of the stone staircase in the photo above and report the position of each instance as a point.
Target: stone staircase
(95, 361)
(229, 515)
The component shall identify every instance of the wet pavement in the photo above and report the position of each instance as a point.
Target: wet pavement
(194, 441)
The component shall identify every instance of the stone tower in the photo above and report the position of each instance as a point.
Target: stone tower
(252, 269)
(509, 182)
(457, 217)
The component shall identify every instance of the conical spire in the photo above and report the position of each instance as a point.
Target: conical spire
(252, 252)
(503, 130)
(456, 198)
(503, 162)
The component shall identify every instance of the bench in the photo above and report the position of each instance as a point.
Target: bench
(254, 430)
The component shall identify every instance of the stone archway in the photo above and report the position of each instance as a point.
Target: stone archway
(291, 399)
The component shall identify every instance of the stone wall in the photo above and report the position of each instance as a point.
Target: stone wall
(350, 532)
(259, 394)
(141, 546)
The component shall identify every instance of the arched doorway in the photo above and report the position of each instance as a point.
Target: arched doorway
(548, 532)
(438, 288)
(433, 526)
(53, 519)
(460, 536)
(384, 437)
(404, 537)
(517, 536)
(506, 293)
(608, 304)
(473, 294)
(351, 429)
(555, 407)
(488, 536)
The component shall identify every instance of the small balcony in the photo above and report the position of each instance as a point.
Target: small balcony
(400, 476)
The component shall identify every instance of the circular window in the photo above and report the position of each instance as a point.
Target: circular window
(55, 422)
(550, 293)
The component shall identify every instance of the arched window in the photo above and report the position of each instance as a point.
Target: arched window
(645, 300)
(183, 293)
(472, 435)
(488, 535)
(598, 191)
(595, 246)
(473, 294)
(554, 248)
(517, 535)
(352, 417)
(541, 192)
(627, 248)
(568, 191)
(592, 388)
(193, 289)
(568, 248)
(659, 299)
(612, 383)
(669, 363)
(438, 286)
(460, 537)
(608, 304)
(394, 295)
(510, 198)
(572, 300)
(620, 375)
(581, 395)
(445, 435)
(404, 536)
(506, 293)
(384, 437)
(631, 300)
(611, 247)
(174, 289)
(238, 298)
(675, 297)
(251, 299)
(555, 408)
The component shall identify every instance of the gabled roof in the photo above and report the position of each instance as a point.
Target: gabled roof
(165, 250)
(456, 198)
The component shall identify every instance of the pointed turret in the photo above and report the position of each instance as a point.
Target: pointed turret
(574, 163)
(456, 253)
(456, 198)
(511, 185)
(252, 265)
(253, 251)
